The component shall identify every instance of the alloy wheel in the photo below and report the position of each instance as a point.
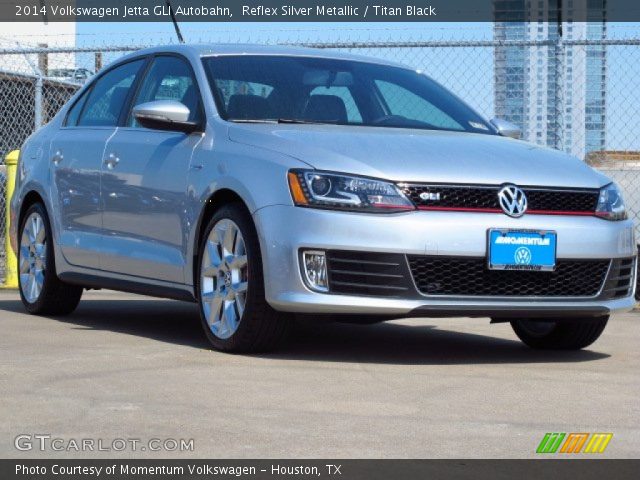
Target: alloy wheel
(33, 257)
(224, 278)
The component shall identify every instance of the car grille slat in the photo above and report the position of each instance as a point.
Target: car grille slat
(485, 198)
(368, 273)
(463, 276)
(620, 281)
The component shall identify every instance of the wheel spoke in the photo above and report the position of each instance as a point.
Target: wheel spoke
(239, 306)
(238, 262)
(213, 251)
(229, 239)
(39, 234)
(39, 276)
(230, 316)
(34, 228)
(216, 307)
(33, 286)
(210, 271)
(241, 287)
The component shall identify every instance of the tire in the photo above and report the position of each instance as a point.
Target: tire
(230, 291)
(559, 335)
(41, 291)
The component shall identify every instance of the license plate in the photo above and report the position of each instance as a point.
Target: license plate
(522, 250)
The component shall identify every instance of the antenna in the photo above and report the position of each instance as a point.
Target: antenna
(175, 22)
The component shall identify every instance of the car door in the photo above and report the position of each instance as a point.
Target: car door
(76, 155)
(144, 181)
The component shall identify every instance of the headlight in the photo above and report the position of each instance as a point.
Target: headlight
(310, 188)
(610, 203)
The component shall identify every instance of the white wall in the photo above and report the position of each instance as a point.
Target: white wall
(30, 35)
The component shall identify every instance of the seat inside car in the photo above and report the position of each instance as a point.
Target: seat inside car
(243, 107)
(190, 100)
(325, 108)
(118, 97)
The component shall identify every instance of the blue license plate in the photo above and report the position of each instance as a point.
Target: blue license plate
(522, 250)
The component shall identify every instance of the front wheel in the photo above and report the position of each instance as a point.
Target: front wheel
(41, 291)
(234, 313)
(571, 334)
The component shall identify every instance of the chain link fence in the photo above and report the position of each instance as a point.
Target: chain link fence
(579, 96)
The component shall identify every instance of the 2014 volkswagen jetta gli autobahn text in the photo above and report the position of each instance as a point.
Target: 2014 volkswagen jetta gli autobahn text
(268, 182)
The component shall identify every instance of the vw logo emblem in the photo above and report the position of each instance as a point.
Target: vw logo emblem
(512, 200)
(522, 256)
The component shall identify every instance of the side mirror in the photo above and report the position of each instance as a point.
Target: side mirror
(506, 129)
(164, 115)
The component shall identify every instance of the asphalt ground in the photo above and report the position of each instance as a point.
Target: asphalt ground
(137, 369)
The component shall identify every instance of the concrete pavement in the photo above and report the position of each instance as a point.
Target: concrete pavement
(130, 367)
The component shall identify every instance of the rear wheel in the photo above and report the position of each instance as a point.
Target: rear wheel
(234, 313)
(559, 335)
(41, 291)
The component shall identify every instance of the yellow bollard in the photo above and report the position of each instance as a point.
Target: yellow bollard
(10, 260)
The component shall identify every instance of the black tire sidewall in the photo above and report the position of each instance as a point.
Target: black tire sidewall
(50, 275)
(573, 334)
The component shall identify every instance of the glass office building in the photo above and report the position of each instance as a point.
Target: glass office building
(554, 91)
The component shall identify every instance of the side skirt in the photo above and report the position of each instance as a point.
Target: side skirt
(129, 286)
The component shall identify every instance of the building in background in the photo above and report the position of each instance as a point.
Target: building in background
(555, 94)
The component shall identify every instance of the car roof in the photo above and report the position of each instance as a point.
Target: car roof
(206, 50)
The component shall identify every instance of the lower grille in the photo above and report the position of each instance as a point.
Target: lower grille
(366, 273)
(463, 276)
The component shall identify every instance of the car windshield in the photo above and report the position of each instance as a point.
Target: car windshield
(61, 72)
(295, 89)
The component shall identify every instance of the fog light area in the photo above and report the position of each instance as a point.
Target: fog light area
(315, 270)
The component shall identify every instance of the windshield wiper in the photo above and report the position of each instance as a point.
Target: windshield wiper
(251, 120)
(275, 120)
(297, 120)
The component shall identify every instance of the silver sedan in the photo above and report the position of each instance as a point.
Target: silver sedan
(269, 182)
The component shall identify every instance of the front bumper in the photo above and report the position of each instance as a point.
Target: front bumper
(284, 230)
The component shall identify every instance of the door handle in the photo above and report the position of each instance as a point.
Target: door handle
(111, 161)
(57, 157)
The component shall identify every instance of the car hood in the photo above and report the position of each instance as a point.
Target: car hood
(407, 155)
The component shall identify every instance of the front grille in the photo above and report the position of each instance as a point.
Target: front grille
(481, 198)
(463, 276)
(366, 273)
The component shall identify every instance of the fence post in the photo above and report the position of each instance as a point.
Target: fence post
(97, 64)
(10, 260)
(37, 114)
(43, 71)
(558, 93)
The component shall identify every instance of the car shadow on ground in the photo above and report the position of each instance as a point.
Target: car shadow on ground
(384, 343)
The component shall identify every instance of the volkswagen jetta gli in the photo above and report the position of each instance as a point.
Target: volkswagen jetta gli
(266, 182)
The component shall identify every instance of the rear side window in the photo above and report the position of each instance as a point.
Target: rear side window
(108, 95)
(74, 112)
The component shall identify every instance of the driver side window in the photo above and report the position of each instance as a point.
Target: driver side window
(170, 78)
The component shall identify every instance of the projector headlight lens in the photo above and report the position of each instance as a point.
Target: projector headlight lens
(611, 204)
(310, 188)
